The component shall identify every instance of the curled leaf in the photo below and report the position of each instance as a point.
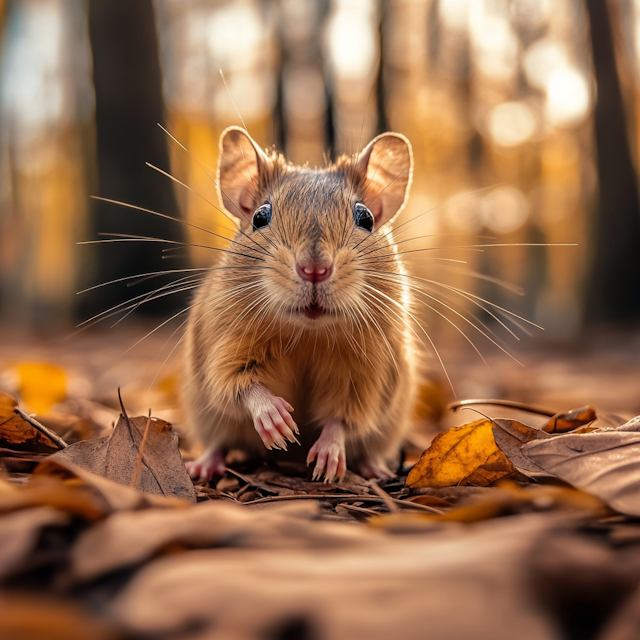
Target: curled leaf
(603, 463)
(511, 436)
(565, 422)
(20, 431)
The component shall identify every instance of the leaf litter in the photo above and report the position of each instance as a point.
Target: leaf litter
(266, 548)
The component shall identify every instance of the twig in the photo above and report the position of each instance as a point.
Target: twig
(124, 411)
(54, 437)
(138, 466)
(360, 510)
(509, 404)
(346, 497)
(249, 481)
(386, 498)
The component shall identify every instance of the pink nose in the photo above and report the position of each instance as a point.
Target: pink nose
(312, 272)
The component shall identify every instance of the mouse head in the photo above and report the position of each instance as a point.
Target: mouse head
(315, 237)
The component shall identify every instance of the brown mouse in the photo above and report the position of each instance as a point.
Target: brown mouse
(308, 310)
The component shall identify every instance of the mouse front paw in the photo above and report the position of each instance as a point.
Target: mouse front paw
(272, 420)
(329, 453)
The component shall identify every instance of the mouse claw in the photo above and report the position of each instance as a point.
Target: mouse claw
(272, 420)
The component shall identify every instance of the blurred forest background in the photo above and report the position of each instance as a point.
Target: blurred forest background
(523, 115)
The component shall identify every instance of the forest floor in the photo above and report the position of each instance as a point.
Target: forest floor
(502, 524)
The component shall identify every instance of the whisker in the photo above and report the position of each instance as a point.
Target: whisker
(433, 346)
(167, 217)
(139, 275)
(478, 329)
(125, 237)
(227, 215)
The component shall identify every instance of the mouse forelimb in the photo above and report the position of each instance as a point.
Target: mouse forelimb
(271, 417)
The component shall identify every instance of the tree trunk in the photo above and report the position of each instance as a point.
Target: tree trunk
(127, 80)
(613, 293)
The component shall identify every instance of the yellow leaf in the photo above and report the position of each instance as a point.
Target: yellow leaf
(41, 386)
(466, 455)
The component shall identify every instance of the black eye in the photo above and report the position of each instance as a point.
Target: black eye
(364, 217)
(262, 216)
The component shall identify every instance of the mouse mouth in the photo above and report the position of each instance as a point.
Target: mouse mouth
(313, 311)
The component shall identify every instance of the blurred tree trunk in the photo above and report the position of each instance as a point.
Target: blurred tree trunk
(613, 293)
(128, 88)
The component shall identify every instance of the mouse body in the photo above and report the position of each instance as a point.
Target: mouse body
(303, 331)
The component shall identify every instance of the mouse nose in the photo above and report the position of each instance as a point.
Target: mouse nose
(314, 271)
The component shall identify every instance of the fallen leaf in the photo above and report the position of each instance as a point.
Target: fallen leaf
(41, 385)
(44, 618)
(109, 496)
(511, 436)
(381, 587)
(75, 498)
(20, 431)
(128, 538)
(115, 457)
(603, 463)
(19, 533)
(466, 455)
(565, 422)
(508, 499)
(625, 624)
(431, 501)
(583, 582)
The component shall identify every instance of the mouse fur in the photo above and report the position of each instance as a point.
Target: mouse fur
(303, 332)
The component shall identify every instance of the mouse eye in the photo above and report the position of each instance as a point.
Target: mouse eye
(364, 217)
(261, 216)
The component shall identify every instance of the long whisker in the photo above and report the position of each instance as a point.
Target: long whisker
(477, 328)
(433, 346)
(167, 217)
(139, 275)
(480, 247)
(126, 237)
(219, 187)
(466, 293)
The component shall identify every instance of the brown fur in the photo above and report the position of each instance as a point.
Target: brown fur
(356, 362)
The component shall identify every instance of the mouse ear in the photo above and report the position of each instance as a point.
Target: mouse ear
(239, 165)
(386, 168)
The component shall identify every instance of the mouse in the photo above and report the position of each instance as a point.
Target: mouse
(301, 336)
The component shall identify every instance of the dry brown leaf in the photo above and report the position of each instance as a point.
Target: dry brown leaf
(379, 588)
(508, 499)
(565, 422)
(625, 623)
(74, 498)
(431, 501)
(115, 457)
(109, 496)
(511, 436)
(43, 618)
(129, 538)
(71, 489)
(466, 455)
(22, 432)
(603, 463)
(19, 533)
